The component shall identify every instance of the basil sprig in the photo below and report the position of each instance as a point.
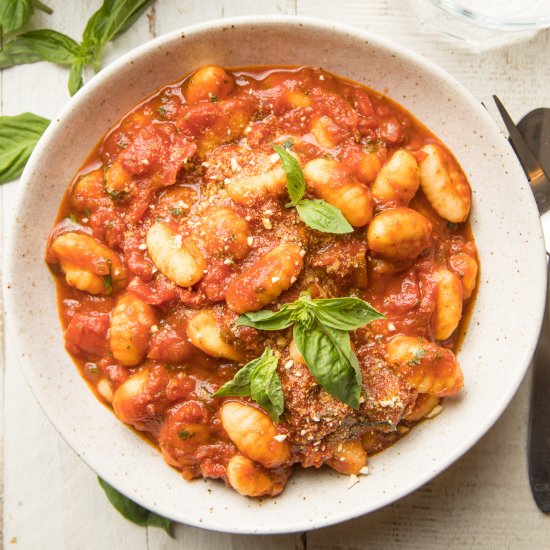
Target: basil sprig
(133, 511)
(18, 137)
(317, 214)
(111, 20)
(16, 13)
(259, 380)
(321, 332)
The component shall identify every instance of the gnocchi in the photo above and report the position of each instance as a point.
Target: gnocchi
(429, 368)
(254, 434)
(204, 332)
(182, 262)
(247, 190)
(330, 181)
(399, 234)
(444, 184)
(465, 266)
(250, 479)
(349, 457)
(263, 281)
(131, 322)
(88, 264)
(398, 180)
(448, 308)
(209, 84)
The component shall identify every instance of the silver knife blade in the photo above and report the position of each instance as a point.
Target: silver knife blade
(538, 447)
(531, 166)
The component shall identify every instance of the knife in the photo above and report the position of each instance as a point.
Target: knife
(538, 450)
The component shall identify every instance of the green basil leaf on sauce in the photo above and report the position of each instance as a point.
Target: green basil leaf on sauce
(330, 359)
(16, 13)
(322, 216)
(39, 45)
(133, 511)
(345, 313)
(267, 320)
(259, 380)
(18, 137)
(239, 386)
(295, 181)
(266, 389)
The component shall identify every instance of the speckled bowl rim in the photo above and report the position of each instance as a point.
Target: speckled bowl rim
(295, 522)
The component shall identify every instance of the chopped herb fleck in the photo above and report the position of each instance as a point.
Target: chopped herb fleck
(116, 195)
(161, 111)
(72, 217)
(185, 434)
(415, 361)
(176, 211)
(213, 98)
(87, 212)
(108, 279)
(122, 142)
(452, 226)
(288, 144)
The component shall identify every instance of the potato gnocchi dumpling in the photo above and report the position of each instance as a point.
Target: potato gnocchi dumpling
(399, 234)
(216, 256)
(444, 184)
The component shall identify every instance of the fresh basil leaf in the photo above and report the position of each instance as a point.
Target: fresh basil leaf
(345, 313)
(16, 13)
(239, 386)
(265, 386)
(258, 379)
(322, 216)
(112, 19)
(133, 511)
(295, 182)
(18, 137)
(330, 359)
(75, 76)
(39, 45)
(267, 320)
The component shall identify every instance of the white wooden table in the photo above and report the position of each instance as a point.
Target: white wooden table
(52, 500)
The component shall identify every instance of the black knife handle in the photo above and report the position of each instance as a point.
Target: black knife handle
(539, 417)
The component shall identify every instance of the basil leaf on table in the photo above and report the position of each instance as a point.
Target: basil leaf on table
(295, 181)
(345, 313)
(16, 13)
(18, 137)
(133, 511)
(39, 45)
(75, 76)
(112, 19)
(322, 216)
(258, 379)
(328, 355)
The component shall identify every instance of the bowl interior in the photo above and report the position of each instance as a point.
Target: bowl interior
(495, 352)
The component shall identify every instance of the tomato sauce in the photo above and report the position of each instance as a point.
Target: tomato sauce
(164, 237)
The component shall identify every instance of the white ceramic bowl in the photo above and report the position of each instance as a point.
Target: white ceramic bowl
(503, 328)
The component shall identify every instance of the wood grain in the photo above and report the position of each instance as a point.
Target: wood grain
(52, 499)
